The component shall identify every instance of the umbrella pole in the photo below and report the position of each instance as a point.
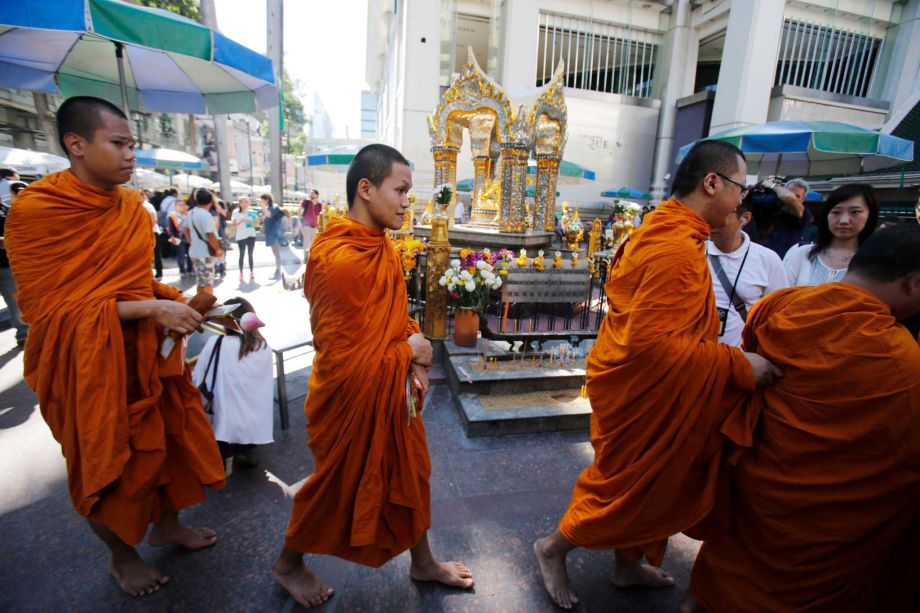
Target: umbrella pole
(123, 86)
(779, 159)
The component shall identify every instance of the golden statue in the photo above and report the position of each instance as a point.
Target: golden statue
(485, 211)
(428, 215)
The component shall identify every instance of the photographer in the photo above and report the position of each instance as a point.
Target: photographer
(780, 213)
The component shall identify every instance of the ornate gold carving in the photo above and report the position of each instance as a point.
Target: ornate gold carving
(485, 211)
(438, 251)
(594, 238)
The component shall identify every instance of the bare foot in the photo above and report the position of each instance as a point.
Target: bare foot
(190, 538)
(555, 577)
(639, 573)
(302, 584)
(136, 577)
(453, 574)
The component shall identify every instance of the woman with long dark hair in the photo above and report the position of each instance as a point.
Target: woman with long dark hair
(273, 220)
(241, 408)
(846, 220)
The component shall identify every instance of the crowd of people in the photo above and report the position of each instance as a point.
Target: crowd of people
(791, 448)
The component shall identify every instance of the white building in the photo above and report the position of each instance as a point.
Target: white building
(368, 116)
(645, 77)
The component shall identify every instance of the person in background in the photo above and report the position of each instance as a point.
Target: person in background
(787, 224)
(7, 176)
(742, 272)
(7, 282)
(157, 256)
(847, 219)
(273, 224)
(311, 210)
(174, 230)
(240, 377)
(219, 213)
(458, 212)
(246, 220)
(201, 232)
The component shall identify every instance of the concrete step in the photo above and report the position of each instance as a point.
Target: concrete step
(544, 411)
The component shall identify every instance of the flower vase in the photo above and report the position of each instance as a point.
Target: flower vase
(466, 327)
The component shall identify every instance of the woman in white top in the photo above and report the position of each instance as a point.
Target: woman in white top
(242, 404)
(847, 219)
(246, 221)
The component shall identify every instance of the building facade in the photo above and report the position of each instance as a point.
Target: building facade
(645, 77)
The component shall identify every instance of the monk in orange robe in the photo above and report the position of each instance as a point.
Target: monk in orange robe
(826, 481)
(138, 445)
(368, 498)
(656, 378)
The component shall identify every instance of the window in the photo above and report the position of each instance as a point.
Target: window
(599, 56)
(827, 59)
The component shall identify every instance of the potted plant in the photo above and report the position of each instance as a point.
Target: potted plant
(468, 281)
(443, 195)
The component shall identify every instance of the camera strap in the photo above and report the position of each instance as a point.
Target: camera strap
(730, 288)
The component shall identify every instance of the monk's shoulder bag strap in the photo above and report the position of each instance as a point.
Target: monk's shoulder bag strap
(729, 287)
(203, 387)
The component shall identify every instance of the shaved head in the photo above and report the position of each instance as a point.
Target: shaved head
(82, 115)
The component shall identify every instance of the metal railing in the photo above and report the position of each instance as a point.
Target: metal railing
(599, 56)
(827, 59)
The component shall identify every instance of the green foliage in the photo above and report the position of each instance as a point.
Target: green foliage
(294, 117)
(186, 8)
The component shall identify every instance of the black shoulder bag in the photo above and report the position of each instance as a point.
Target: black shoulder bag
(206, 391)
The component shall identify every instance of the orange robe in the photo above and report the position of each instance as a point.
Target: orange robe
(136, 444)
(657, 378)
(826, 485)
(368, 498)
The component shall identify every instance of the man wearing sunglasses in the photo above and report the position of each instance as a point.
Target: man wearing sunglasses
(660, 385)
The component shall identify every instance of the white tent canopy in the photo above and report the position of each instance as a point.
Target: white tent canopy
(149, 179)
(32, 163)
(237, 188)
(189, 182)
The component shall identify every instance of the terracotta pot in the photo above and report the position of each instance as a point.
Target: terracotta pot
(466, 327)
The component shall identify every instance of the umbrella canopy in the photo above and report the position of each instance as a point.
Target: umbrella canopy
(149, 179)
(189, 182)
(806, 148)
(626, 192)
(236, 188)
(32, 163)
(569, 172)
(169, 158)
(171, 64)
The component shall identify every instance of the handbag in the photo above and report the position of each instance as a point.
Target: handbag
(206, 391)
(214, 244)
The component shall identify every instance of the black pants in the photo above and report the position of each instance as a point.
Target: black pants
(244, 244)
(158, 255)
(228, 450)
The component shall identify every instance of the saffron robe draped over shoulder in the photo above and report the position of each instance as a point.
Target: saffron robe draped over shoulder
(826, 485)
(657, 380)
(368, 498)
(136, 444)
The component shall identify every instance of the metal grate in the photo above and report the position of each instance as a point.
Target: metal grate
(599, 56)
(827, 59)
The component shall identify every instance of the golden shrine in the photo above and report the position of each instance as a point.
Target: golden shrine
(502, 140)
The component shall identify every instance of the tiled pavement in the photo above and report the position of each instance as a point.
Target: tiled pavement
(491, 497)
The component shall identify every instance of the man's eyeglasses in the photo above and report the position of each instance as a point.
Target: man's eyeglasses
(744, 188)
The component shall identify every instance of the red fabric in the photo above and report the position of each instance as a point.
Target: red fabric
(135, 443)
(825, 499)
(658, 380)
(368, 498)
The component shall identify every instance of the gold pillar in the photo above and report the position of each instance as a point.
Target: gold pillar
(438, 251)
(445, 171)
(594, 238)
(545, 193)
(514, 186)
(482, 165)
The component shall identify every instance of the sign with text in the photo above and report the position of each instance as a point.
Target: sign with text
(559, 285)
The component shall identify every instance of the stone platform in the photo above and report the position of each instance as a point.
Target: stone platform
(479, 238)
(514, 395)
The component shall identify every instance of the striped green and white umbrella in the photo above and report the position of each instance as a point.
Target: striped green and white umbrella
(143, 58)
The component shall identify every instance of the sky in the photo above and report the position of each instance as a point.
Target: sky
(324, 48)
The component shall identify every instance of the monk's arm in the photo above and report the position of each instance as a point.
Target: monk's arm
(174, 315)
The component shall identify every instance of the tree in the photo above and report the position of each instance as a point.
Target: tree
(294, 118)
(186, 8)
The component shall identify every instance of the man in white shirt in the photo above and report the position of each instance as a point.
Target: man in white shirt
(7, 177)
(748, 273)
(458, 212)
